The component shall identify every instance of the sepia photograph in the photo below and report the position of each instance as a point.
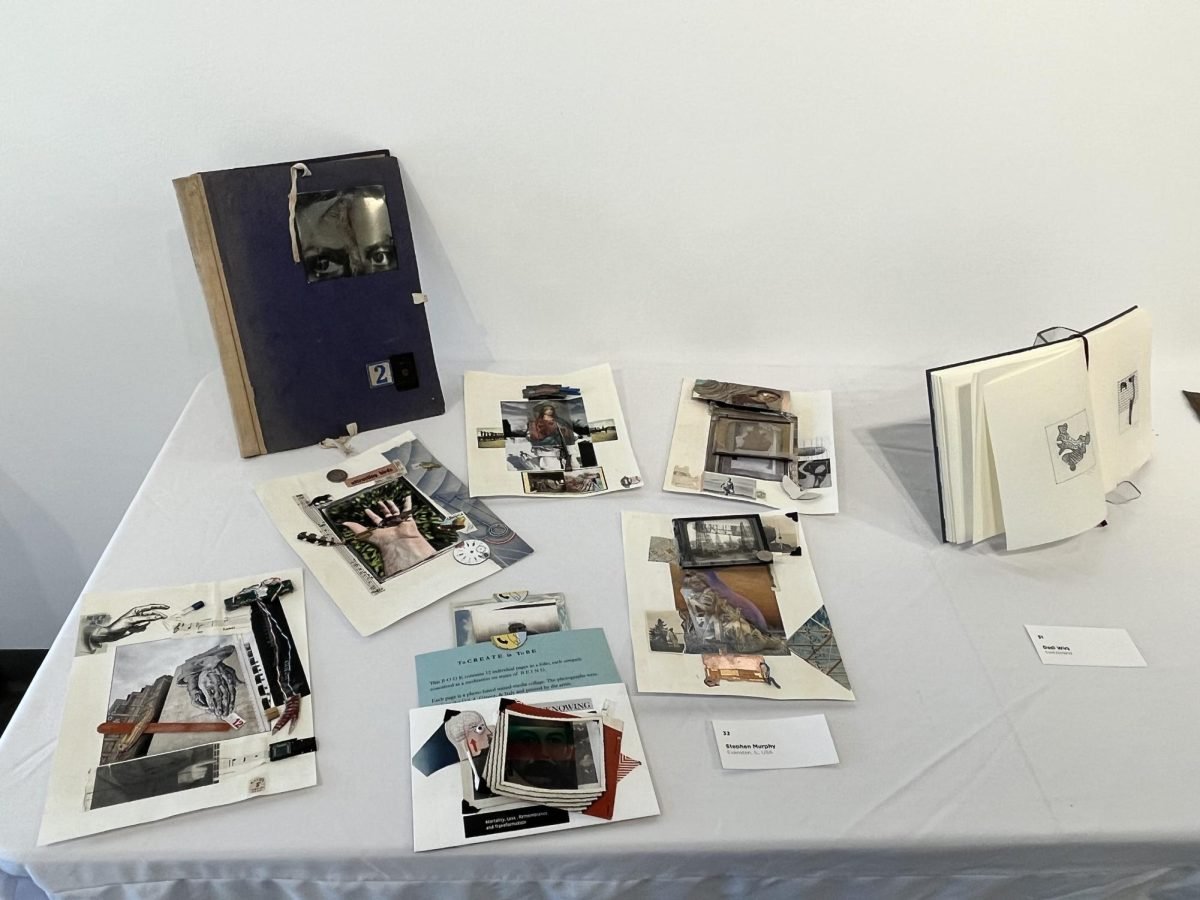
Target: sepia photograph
(744, 396)
(751, 436)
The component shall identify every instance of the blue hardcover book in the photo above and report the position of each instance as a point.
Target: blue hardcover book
(311, 281)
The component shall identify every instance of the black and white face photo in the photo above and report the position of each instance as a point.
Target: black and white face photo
(344, 233)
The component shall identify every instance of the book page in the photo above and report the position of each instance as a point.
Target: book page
(986, 507)
(957, 420)
(1119, 381)
(1042, 437)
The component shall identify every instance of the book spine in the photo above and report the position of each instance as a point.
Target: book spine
(197, 222)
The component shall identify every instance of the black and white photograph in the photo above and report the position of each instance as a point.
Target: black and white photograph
(812, 474)
(344, 233)
(729, 485)
(662, 550)
(664, 631)
(154, 776)
(525, 424)
(757, 467)
(180, 692)
(744, 396)
(721, 541)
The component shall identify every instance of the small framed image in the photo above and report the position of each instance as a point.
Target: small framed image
(710, 541)
(748, 435)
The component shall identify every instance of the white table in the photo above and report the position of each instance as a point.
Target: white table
(967, 766)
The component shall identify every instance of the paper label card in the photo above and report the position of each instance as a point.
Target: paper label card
(1060, 645)
(792, 743)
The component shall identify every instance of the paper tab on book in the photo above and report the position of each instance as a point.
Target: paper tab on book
(1061, 645)
(791, 743)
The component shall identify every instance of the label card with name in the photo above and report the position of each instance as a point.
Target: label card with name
(775, 743)
(1062, 645)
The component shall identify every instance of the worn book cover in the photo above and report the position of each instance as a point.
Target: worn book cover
(311, 281)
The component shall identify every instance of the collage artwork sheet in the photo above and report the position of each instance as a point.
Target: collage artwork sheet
(748, 442)
(728, 605)
(556, 436)
(521, 739)
(175, 700)
(389, 531)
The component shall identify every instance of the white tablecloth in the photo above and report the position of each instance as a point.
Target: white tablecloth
(967, 767)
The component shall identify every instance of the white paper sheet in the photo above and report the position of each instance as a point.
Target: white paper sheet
(206, 668)
(1043, 442)
(1063, 645)
(814, 428)
(517, 446)
(437, 796)
(793, 743)
(1119, 380)
(788, 599)
(415, 561)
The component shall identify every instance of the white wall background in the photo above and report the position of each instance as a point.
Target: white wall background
(902, 182)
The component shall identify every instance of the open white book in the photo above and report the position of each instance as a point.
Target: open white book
(1028, 443)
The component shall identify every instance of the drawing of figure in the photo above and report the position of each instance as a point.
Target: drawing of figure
(1072, 450)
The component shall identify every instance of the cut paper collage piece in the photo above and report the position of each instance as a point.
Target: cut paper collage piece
(553, 436)
(748, 442)
(492, 759)
(389, 531)
(509, 619)
(729, 625)
(181, 699)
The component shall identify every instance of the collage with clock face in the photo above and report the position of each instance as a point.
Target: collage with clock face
(389, 531)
